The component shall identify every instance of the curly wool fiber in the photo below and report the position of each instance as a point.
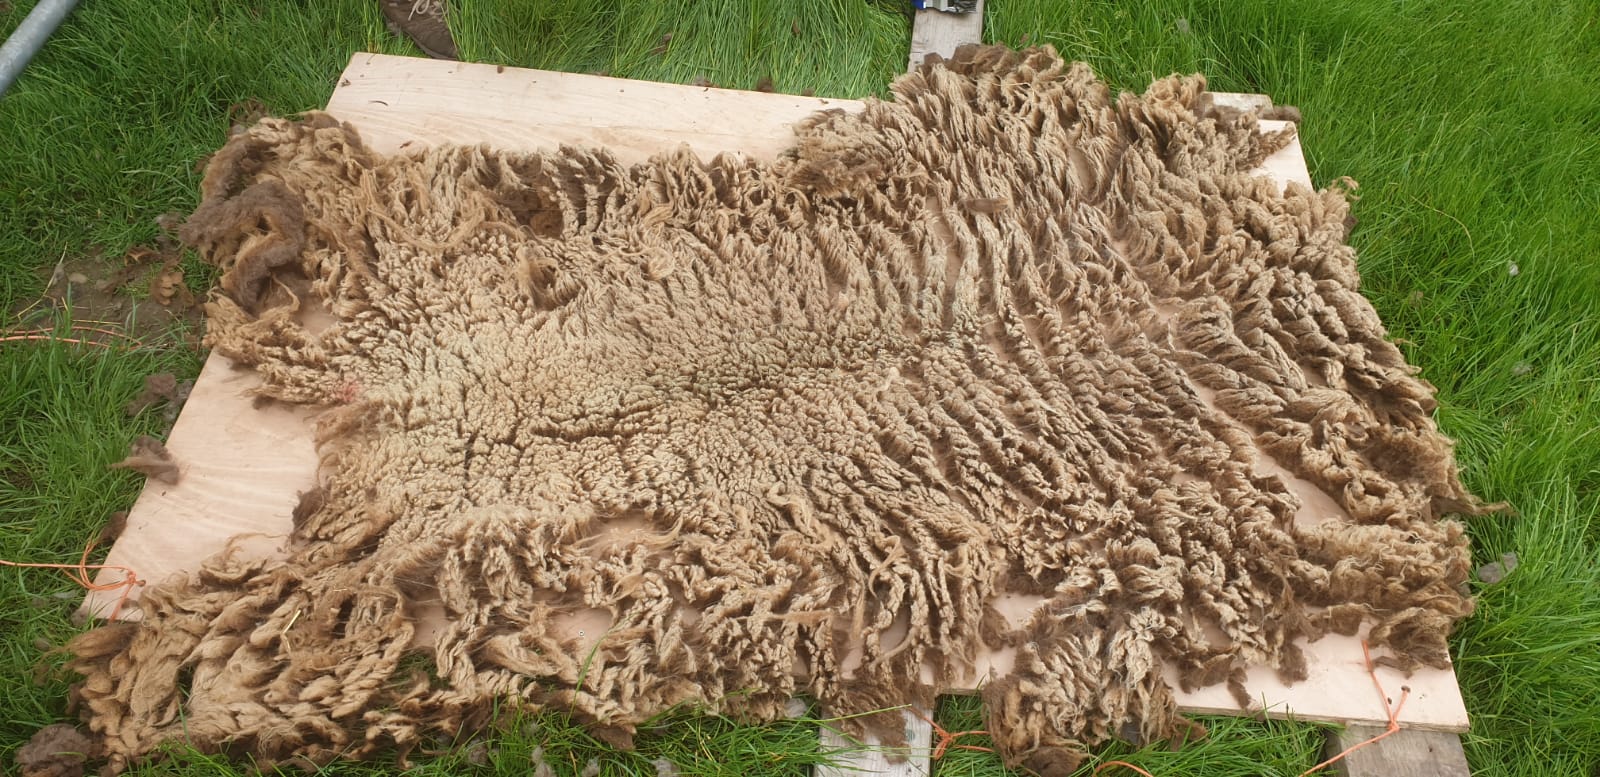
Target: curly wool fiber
(793, 427)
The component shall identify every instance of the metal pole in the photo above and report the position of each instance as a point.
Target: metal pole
(30, 37)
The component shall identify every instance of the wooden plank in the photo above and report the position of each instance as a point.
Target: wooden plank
(939, 32)
(1338, 690)
(1242, 101)
(1409, 752)
(241, 469)
(400, 101)
(913, 761)
(243, 466)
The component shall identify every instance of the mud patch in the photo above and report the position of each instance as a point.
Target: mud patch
(146, 294)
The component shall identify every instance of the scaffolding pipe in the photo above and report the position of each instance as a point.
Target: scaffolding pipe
(30, 37)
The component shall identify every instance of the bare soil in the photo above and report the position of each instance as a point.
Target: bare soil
(143, 294)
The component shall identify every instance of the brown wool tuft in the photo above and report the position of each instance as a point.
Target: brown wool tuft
(57, 750)
(1006, 333)
(149, 457)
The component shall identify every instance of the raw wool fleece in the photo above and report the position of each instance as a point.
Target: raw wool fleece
(1005, 333)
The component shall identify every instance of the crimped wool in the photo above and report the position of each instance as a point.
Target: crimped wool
(1005, 333)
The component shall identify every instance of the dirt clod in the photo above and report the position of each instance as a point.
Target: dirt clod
(167, 288)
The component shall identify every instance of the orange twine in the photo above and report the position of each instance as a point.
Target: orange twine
(947, 739)
(48, 335)
(1102, 766)
(79, 573)
(1393, 714)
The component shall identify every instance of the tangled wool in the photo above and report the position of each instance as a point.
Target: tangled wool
(794, 427)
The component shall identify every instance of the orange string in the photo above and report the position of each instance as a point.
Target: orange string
(49, 334)
(93, 329)
(72, 340)
(1394, 714)
(1102, 766)
(947, 739)
(79, 573)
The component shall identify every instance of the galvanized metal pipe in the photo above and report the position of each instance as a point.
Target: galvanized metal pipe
(30, 37)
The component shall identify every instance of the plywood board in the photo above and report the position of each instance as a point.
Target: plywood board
(940, 32)
(240, 471)
(913, 761)
(401, 101)
(242, 466)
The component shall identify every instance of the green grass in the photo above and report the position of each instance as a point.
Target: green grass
(834, 48)
(61, 424)
(1234, 747)
(674, 743)
(1472, 126)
